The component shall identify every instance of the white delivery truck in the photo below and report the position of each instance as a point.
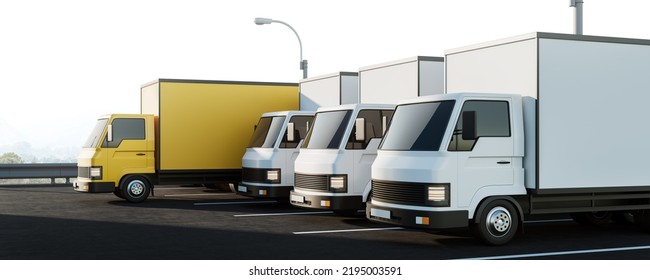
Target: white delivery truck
(268, 162)
(269, 159)
(332, 170)
(572, 140)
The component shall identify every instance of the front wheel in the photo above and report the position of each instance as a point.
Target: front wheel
(135, 188)
(497, 224)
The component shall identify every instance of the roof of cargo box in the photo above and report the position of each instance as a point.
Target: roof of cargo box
(544, 35)
(402, 61)
(218, 82)
(327, 76)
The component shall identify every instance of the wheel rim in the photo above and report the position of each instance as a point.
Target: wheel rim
(498, 221)
(136, 188)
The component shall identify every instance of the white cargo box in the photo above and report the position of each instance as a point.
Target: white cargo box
(402, 79)
(591, 129)
(329, 90)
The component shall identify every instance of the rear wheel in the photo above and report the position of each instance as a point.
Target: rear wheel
(497, 224)
(135, 188)
(599, 218)
(642, 219)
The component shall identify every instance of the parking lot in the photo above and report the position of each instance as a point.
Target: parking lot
(55, 222)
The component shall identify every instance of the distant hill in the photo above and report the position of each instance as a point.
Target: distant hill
(14, 140)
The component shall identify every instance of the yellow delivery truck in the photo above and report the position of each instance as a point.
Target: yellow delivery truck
(188, 132)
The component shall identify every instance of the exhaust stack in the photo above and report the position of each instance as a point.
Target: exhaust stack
(577, 16)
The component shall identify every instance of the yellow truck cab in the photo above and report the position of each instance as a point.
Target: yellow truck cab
(188, 132)
(119, 145)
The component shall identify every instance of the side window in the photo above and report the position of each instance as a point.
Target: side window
(123, 129)
(492, 120)
(374, 124)
(301, 125)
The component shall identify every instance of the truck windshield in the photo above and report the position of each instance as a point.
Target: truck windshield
(266, 133)
(328, 130)
(96, 134)
(418, 127)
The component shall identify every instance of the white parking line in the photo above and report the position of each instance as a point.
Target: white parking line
(577, 252)
(232, 203)
(197, 194)
(284, 214)
(346, 230)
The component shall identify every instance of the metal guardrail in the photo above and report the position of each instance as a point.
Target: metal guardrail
(39, 171)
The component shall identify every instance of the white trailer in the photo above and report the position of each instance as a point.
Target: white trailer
(570, 139)
(333, 168)
(329, 90)
(404, 78)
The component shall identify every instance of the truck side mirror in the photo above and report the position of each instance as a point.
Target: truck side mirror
(469, 125)
(360, 133)
(109, 136)
(291, 132)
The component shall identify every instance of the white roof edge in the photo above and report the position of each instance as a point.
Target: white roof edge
(327, 76)
(401, 61)
(493, 43)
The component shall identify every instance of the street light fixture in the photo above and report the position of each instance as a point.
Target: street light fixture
(303, 63)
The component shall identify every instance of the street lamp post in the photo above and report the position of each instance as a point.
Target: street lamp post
(303, 63)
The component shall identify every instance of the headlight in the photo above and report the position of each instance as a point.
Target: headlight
(273, 175)
(338, 184)
(438, 195)
(96, 172)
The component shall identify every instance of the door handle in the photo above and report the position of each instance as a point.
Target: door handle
(140, 154)
(503, 162)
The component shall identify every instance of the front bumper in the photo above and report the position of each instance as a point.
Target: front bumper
(263, 191)
(348, 202)
(417, 219)
(94, 187)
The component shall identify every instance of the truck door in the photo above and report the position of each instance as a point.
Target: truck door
(127, 151)
(487, 159)
(369, 128)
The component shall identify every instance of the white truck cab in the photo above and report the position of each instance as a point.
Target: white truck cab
(332, 170)
(572, 140)
(444, 155)
(269, 159)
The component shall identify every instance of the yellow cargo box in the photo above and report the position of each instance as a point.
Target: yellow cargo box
(206, 125)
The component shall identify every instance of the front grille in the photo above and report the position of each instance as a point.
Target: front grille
(83, 172)
(257, 175)
(311, 182)
(253, 175)
(399, 192)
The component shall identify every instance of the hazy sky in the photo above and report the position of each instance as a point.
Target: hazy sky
(64, 63)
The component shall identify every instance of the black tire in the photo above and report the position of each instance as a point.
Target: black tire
(599, 218)
(135, 188)
(642, 219)
(623, 217)
(118, 193)
(497, 224)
